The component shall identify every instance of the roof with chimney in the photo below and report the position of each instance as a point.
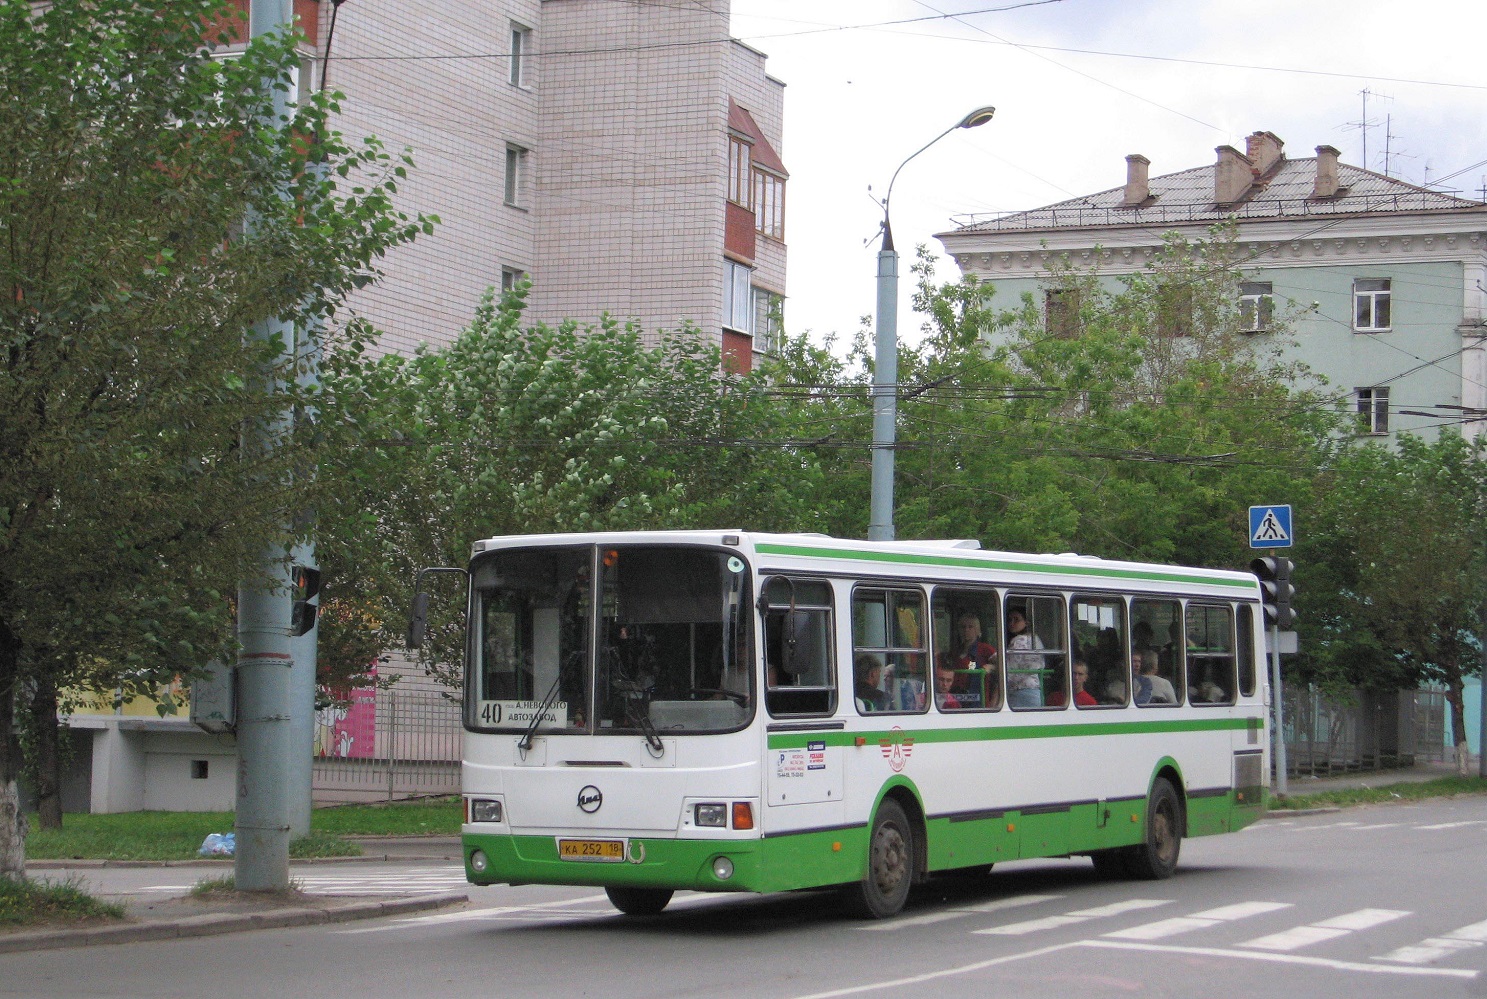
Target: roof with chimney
(1261, 183)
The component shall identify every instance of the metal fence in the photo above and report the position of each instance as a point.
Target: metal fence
(409, 743)
(1363, 730)
(387, 745)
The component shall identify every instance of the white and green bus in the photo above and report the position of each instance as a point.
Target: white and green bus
(726, 711)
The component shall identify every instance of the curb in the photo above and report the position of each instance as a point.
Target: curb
(224, 922)
(1276, 813)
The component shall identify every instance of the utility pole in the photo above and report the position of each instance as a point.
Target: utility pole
(266, 702)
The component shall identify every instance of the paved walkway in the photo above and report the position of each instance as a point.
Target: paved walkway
(149, 915)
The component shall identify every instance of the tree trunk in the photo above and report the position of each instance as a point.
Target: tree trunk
(48, 768)
(12, 820)
(1458, 718)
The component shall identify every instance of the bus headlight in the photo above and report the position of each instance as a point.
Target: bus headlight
(485, 810)
(715, 815)
(479, 862)
(722, 868)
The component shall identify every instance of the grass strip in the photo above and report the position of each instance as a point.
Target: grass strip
(1441, 787)
(178, 835)
(24, 902)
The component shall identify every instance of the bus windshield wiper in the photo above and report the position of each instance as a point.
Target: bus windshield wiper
(525, 742)
(652, 737)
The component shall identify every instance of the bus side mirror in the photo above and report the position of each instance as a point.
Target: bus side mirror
(419, 621)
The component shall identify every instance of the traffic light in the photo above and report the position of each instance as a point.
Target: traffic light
(302, 612)
(1276, 589)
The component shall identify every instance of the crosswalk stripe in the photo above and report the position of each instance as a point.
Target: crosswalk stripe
(1197, 921)
(1435, 948)
(1327, 929)
(1071, 918)
(929, 918)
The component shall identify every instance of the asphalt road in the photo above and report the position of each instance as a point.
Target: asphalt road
(1379, 901)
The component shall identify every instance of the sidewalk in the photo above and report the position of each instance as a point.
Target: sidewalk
(1423, 771)
(149, 915)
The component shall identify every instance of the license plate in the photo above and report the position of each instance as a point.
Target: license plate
(602, 850)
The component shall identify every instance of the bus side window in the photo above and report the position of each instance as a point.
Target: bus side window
(1098, 635)
(1036, 650)
(1246, 650)
(1210, 641)
(800, 674)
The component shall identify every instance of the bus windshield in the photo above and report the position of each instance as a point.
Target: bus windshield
(628, 638)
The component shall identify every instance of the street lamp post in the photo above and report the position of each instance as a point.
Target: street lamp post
(885, 367)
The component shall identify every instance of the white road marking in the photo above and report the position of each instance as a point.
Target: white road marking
(1318, 962)
(476, 915)
(1379, 825)
(1197, 921)
(1327, 929)
(1071, 918)
(1435, 948)
(1455, 825)
(928, 918)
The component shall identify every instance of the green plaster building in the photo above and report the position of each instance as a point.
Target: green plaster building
(1383, 284)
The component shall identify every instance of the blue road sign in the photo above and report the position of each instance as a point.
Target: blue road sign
(1270, 527)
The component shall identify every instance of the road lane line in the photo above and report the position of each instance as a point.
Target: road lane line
(1455, 825)
(1300, 959)
(961, 912)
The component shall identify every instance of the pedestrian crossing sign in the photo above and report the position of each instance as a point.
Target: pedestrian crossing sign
(1270, 527)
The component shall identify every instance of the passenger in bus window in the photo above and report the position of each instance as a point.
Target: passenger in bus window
(868, 689)
(1082, 697)
(944, 680)
(1150, 687)
(974, 652)
(1024, 670)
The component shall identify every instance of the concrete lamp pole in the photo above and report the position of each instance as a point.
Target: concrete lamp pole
(885, 367)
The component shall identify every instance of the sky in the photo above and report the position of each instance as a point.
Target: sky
(1079, 84)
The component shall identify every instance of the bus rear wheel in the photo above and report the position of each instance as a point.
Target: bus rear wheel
(890, 865)
(1156, 858)
(638, 901)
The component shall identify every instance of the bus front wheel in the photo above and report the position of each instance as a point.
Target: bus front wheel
(890, 865)
(638, 901)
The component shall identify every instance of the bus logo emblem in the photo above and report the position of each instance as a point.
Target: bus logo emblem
(897, 748)
(589, 799)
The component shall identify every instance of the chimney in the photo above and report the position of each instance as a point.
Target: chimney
(1232, 176)
(1263, 150)
(1326, 186)
(1137, 190)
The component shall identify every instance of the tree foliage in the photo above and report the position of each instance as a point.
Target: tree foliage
(542, 429)
(129, 161)
(1139, 427)
(1393, 578)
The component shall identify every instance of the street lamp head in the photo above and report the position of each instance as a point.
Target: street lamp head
(977, 118)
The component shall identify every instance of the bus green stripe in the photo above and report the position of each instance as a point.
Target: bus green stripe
(798, 740)
(988, 562)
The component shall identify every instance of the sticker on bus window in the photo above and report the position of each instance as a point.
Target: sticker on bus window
(522, 713)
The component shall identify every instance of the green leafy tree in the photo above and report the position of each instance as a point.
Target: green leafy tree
(1141, 425)
(1393, 576)
(514, 430)
(129, 160)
